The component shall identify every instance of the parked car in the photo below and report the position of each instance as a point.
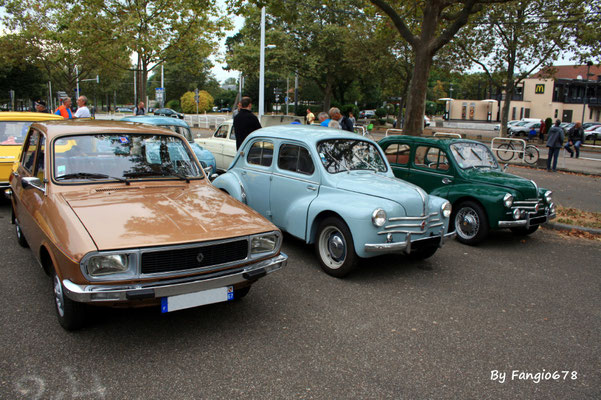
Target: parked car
(335, 190)
(168, 112)
(222, 144)
(225, 110)
(587, 125)
(593, 132)
(426, 121)
(466, 173)
(522, 129)
(180, 126)
(509, 124)
(13, 129)
(367, 114)
(126, 110)
(121, 214)
(566, 126)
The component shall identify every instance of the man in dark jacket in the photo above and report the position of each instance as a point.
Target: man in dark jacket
(554, 143)
(345, 123)
(245, 122)
(575, 138)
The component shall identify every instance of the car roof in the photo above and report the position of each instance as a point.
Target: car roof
(306, 133)
(92, 127)
(28, 116)
(426, 140)
(156, 120)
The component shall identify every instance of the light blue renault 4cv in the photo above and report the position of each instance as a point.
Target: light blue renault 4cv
(337, 191)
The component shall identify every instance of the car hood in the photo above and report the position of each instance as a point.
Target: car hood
(526, 187)
(135, 216)
(410, 197)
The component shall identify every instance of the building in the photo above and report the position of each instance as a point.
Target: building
(566, 95)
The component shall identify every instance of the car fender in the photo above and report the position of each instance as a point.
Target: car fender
(489, 196)
(231, 183)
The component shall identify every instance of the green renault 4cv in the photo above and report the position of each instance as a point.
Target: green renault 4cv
(466, 173)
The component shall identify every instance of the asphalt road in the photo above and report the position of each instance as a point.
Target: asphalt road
(393, 329)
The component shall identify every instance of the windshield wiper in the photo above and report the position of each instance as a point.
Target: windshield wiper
(87, 175)
(373, 167)
(476, 154)
(336, 161)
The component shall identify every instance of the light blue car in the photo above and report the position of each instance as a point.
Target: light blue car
(335, 190)
(206, 158)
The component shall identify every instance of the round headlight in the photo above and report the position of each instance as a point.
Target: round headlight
(378, 217)
(508, 200)
(517, 213)
(446, 209)
(548, 196)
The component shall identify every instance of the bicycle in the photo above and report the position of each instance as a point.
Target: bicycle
(506, 152)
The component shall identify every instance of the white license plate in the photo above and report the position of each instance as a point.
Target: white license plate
(189, 300)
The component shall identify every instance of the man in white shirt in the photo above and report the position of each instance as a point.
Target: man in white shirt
(82, 108)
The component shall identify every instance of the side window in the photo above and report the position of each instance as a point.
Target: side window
(29, 149)
(233, 134)
(261, 153)
(398, 153)
(296, 159)
(39, 169)
(431, 157)
(221, 132)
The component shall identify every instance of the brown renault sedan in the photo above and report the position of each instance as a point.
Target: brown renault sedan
(122, 214)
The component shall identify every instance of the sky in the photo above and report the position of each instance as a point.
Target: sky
(221, 74)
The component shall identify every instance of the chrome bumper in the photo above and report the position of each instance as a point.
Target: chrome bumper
(405, 247)
(527, 223)
(152, 290)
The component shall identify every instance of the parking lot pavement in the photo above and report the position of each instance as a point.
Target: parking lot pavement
(394, 329)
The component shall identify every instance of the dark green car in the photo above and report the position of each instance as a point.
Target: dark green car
(466, 173)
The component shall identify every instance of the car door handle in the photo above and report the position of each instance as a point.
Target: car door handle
(446, 181)
(243, 172)
(311, 187)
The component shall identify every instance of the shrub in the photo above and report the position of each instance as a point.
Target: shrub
(381, 112)
(548, 123)
(174, 105)
(205, 102)
(348, 108)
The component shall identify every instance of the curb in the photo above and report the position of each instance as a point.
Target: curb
(565, 227)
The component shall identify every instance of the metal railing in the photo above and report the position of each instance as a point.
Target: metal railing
(400, 131)
(360, 130)
(456, 135)
(563, 160)
(520, 147)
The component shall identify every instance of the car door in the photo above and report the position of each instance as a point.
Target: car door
(397, 155)
(215, 145)
(229, 147)
(430, 169)
(256, 175)
(295, 184)
(29, 198)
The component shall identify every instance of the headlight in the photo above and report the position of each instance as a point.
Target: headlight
(446, 209)
(548, 196)
(517, 214)
(106, 265)
(378, 217)
(264, 243)
(508, 200)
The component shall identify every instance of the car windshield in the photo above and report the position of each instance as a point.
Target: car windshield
(123, 157)
(473, 155)
(339, 155)
(13, 132)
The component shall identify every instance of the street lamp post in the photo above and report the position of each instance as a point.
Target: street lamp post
(588, 69)
(262, 67)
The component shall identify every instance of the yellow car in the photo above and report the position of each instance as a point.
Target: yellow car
(13, 129)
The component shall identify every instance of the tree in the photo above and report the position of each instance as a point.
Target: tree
(188, 105)
(427, 27)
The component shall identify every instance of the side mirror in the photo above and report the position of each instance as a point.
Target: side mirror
(213, 177)
(32, 182)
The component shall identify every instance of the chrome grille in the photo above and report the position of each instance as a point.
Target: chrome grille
(413, 225)
(529, 205)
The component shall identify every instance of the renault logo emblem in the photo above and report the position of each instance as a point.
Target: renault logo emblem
(423, 225)
(200, 257)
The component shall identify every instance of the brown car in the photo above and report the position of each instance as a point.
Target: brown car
(123, 214)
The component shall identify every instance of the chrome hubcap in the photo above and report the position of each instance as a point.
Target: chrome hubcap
(336, 247)
(332, 247)
(467, 223)
(58, 296)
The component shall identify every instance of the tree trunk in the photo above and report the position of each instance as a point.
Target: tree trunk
(327, 95)
(416, 102)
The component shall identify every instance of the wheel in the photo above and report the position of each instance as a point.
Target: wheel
(20, 238)
(71, 314)
(334, 247)
(531, 155)
(524, 231)
(505, 151)
(424, 253)
(470, 222)
(240, 293)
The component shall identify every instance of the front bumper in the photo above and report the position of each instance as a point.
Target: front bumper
(528, 222)
(158, 289)
(408, 244)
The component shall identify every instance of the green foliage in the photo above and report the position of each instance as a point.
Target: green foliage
(348, 108)
(381, 112)
(174, 105)
(205, 102)
(431, 107)
(548, 124)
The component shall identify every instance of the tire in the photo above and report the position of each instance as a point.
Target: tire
(334, 247)
(505, 152)
(422, 254)
(524, 231)
(240, 293)
(531, 155)
(70, 314)
(471, 223)
(20, 237)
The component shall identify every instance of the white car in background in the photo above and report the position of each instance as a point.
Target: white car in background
(222, 144)
(593, 132)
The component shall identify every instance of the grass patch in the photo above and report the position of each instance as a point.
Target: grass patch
(573, 216)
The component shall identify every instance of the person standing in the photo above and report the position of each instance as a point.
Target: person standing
(541, 131)
(82, 108)
(323, 119)
(140, 110)
(351, 117)
(575, 138)
(64, 110)
(40, 106)
(554, 143)
(344, 122)
(245, 122)
(310, 117)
